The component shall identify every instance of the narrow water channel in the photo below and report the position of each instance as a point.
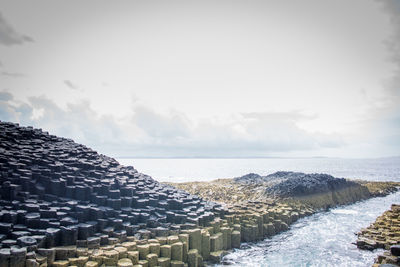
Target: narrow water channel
(323, 239)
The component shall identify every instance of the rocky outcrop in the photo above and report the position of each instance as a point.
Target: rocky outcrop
(296, 184)
(63, 204)
(380, 189)
(250, 178)
(383, 233)
(318, 190)
(55, 192)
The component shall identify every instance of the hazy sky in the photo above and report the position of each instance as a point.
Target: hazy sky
(206, 78)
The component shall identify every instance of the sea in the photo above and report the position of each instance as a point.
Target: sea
(323, 239)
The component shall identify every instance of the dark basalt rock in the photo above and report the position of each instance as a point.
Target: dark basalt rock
(251, 178)
(301, 184)
(395, 250)
(5, 255)
(296, 184)
(55, 192)
(26, 241)
(5, 228)
(8, 243)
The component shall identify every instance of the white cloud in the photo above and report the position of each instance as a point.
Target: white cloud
(255, 78)
(147, 133)
(171, 126)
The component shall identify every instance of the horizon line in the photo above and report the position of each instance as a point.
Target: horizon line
(250, 157)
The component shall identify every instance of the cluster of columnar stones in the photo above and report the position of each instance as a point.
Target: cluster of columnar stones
(317, 189)
(285, 184)
(261, 219)
(55, 192)
(383, 233)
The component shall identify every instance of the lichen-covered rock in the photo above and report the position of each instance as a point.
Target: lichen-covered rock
(216, 242)
(165, 251)
(235, 242)
(216, 256)
(152, 259)
(143, 263)
(133, 256)
(91, 264)
(177, 264)
(125, 263)
(177, 251)
(192, 258)
(60, 263)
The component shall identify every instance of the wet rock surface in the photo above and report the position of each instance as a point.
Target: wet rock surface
(383, 233)
(380, 189)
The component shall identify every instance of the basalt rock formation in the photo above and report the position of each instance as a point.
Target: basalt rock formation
(63, 204)
(316, 189)
(320, 191)
(383, 233)
(55, 192)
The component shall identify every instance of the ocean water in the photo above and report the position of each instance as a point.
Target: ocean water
(323, 239)
(183, 170)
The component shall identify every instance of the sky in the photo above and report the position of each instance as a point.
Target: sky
(206, 78)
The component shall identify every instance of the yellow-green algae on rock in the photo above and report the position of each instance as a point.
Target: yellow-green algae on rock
(228, 191)
(255, 214)
(383, 233)
(245, 221)
(191, 247)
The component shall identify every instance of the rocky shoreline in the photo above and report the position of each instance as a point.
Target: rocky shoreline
(63, 204)
(57, 193)
(383, 233)
(317, 191)
(239, 195)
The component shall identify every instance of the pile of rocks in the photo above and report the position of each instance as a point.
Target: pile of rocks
(383, 233)
(55, 192)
